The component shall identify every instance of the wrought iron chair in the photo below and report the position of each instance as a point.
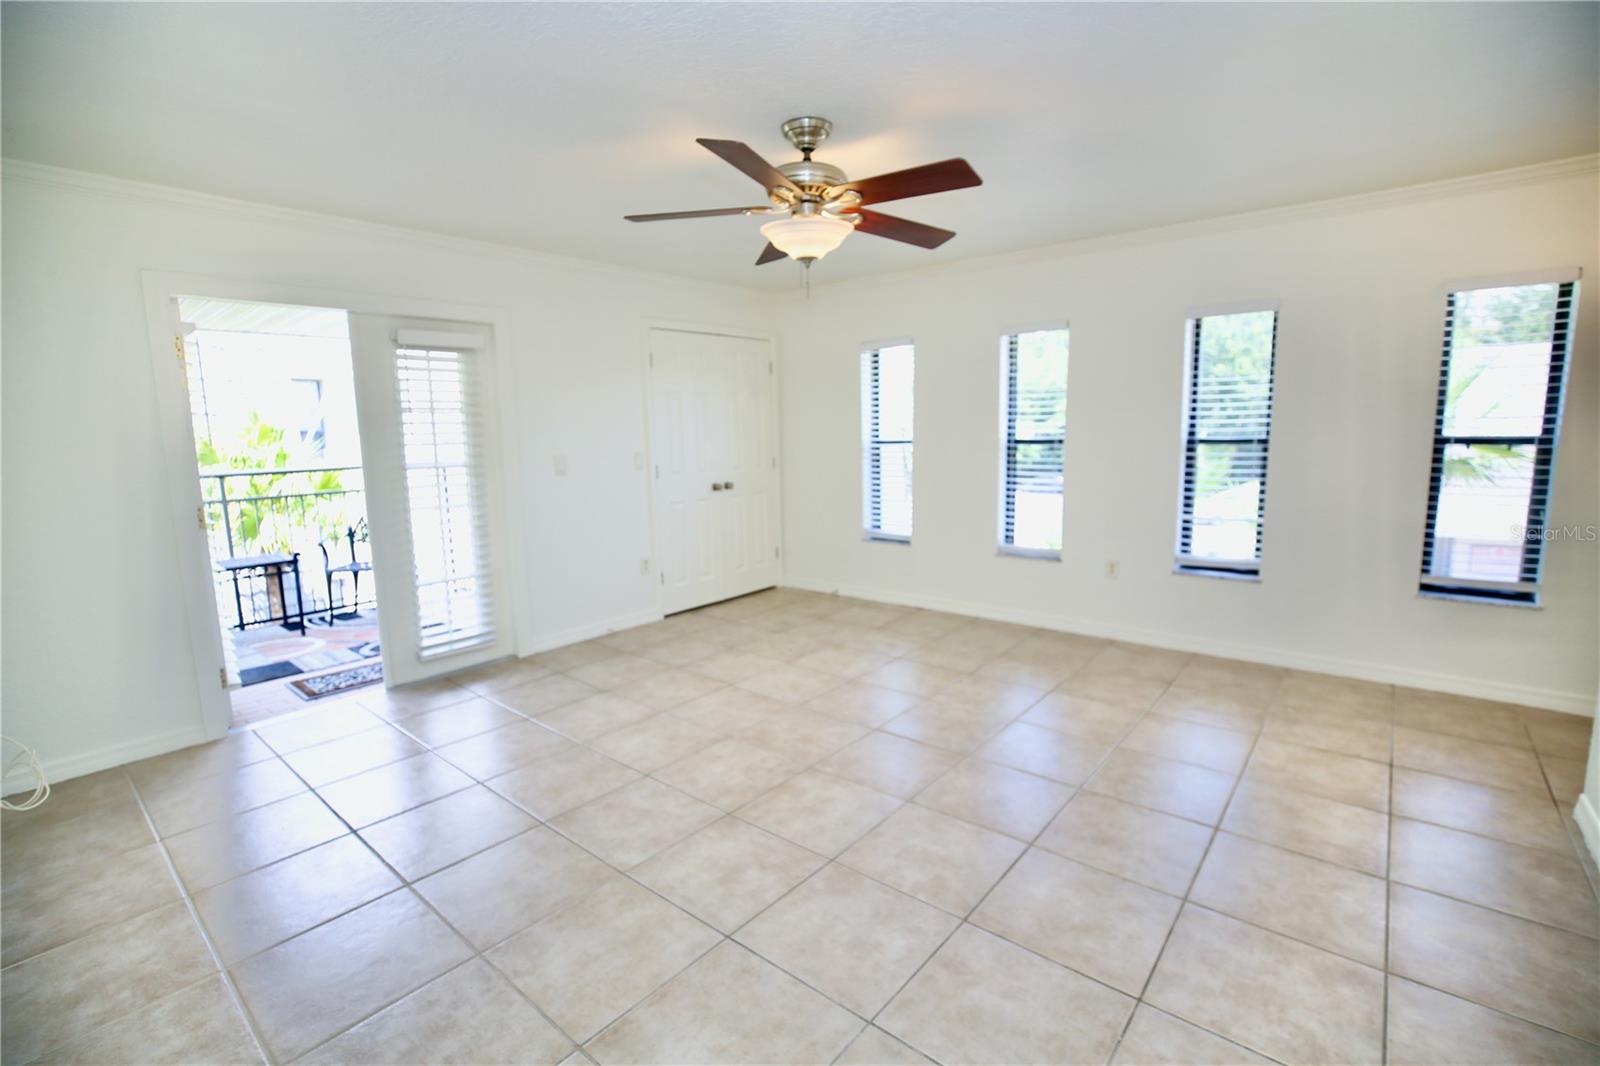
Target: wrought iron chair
(355, 568)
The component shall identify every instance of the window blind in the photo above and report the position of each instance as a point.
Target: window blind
(887, 418)
(1498, 413)
(1227, 423)
(1034, 424)
(445, 485)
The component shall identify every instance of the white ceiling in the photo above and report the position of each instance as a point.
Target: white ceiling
(540, 125)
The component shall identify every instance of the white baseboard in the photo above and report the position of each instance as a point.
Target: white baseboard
(561, 638)
(88, 762)
(1588, 820)
(1529, 696)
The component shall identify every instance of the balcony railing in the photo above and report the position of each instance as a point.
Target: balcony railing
(260, 512)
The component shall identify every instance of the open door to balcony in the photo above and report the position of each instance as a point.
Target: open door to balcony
(340, 453)
(272, 401)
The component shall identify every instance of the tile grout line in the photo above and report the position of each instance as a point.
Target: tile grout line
(828, 861)
(541, 823)
(875, 729)
(409, 887)
(1388, 893)
(1579, 846)
(1028, 846)
(245, 1013)
(1216, 828)
(404, 884)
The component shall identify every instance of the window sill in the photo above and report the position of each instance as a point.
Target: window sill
(1045, 554)
(1484, 601)
(1221, 573)
(885, 538)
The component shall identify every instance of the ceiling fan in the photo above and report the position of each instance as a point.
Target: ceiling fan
(818, 206)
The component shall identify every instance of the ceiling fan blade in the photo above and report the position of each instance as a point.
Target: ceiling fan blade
(744, 157)
(917, 181)
(901, 229)
(664, 215)
(770, 254)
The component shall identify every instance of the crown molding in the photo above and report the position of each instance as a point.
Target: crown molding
(88, 183)
(1533, 174)
(21, 171)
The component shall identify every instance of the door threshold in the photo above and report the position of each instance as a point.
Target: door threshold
(714, 603)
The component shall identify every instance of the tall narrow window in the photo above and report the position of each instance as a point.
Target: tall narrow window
(1227, 421)
(1494, 443)
(887, 380)
(1033, 367)
(445, 484)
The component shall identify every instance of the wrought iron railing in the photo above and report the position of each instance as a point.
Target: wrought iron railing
(263, 512)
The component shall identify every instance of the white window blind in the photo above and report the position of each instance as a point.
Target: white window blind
(1033, 366)
(1227, 422)
(887, 392)
(445, 485)
(1494, 444)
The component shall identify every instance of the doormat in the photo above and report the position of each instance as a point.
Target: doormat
(315, 688)
(254, 675)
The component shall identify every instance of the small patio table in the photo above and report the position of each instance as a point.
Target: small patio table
(271, 565)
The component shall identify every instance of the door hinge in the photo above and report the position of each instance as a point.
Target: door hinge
(774, 553)
(200, 518)
(663, 578)
(177, 346)
(222, 676)
(658, 471)
(652, 358)
(769, 369)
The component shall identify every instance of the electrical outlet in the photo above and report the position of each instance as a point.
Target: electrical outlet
(561, 466)
(638, 460)
(644, 566)
(1113, 568)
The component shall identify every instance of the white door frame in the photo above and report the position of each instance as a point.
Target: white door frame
(773, 409)
(177, 436)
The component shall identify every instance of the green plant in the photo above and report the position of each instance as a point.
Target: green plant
(275, 510)
(1483, 462)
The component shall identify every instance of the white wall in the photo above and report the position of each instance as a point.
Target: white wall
(97, 665)
(1359, 285)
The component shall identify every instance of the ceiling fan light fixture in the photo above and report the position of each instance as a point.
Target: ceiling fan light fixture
(807, 237)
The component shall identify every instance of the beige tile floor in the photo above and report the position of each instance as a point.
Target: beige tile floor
(798, 828)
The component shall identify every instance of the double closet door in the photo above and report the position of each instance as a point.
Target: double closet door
(715, 449)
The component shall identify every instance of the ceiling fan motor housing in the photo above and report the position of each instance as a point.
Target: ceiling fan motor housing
(813, 178)
(809, 172)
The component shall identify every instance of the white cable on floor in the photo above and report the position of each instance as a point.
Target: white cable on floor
(41, 791)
